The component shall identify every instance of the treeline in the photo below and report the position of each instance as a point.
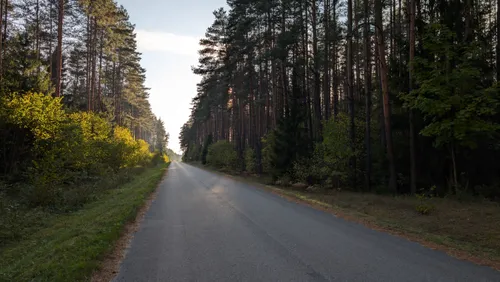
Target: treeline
(371, 95)
(74, 108)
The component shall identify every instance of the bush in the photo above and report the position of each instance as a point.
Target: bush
(63, 154)
(250, 161)
(193, 154)
(204, 152)
(268, 142)
(159, 158)
(222, 155)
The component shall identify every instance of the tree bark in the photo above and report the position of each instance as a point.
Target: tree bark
(99, 90)
(317, 80)
(385, 94)
(59, 48)
(334, 75)
(413, 166)
(498, 41)
(1, 39)
(37, 33)
(89, 48)
(368, 96)
(350, 92)
(326, 77)
(94, 63)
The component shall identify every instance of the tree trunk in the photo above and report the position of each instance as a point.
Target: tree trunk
(334, 59)
(385, 94)
(99, 91)
(89, 48)
(413, 166)
(368, 96)
(59, 48)
(326, 77)
(5, 22)
(498, 41)
(317, 81)
(350, 92)
(1, 38)
(37, 34)
(94, 63)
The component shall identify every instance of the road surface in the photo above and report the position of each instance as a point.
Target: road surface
(207, 227)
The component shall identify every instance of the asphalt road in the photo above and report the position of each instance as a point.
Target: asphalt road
(206, 227)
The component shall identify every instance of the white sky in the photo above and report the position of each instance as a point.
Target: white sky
(168, 33)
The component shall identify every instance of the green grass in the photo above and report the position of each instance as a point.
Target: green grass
(71, 246)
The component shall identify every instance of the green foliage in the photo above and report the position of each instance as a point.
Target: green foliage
(48, 246)
(329, 163)
(284, 146)
(221, 154)
(455, 102)
(206, 145)
(42, 115)
(66, 149)
(193, 153)
(268, 153)
(424, 205)
(336, 149)
(250, 161)
(158, 158)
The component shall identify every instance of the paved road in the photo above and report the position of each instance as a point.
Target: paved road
(206, 227)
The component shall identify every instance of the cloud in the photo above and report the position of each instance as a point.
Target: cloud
(167, 42)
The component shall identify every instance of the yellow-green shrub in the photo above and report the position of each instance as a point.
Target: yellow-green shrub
(128, 151)
(42, 115)
(64, 150)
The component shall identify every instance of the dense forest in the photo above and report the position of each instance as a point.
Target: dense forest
(369, 95)
(74, 108)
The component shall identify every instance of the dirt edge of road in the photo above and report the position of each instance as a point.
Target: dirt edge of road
(110, 266)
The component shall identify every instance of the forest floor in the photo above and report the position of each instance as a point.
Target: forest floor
(72, 246)
(467, 230)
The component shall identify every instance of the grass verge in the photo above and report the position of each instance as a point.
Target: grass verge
(72, 246)
(466, 230)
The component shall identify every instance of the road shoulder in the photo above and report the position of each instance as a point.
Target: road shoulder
(397, 216)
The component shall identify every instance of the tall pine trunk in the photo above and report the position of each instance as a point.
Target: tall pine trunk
(368, 95)
(350, 92)
(385, 94)
(317, 81)
(498, 41)
(326, 77)
(1, 38)
(334, 59)
(413, 166)
(59, 48)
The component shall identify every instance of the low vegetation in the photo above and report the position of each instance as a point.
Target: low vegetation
(70, 246)
(69, 181)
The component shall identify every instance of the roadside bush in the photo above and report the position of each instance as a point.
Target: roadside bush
(204, 151)
(222, 155)
(268, 142)
(62, 154)
(329, 163)
(159, 158)
(250, 161)
(193, 154)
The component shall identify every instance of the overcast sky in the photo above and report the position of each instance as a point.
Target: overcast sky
(168, 33)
